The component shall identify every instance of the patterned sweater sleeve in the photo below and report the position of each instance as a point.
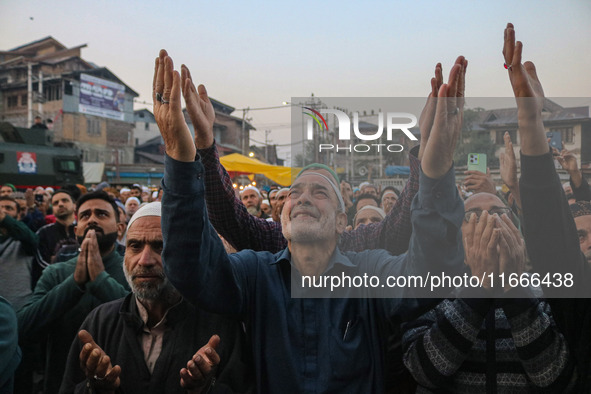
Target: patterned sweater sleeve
(542, 349)
(436, 345)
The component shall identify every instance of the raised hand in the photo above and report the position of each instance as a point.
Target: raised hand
(94, 261)
(568, 161)
(199, 108)
(447, 123)
(96, 365)
(480, 247)
(508, 169)
(479, 182)
(201, 368)
(512, 255)
(428, 113)
(529, 96)
(167, 110)
(81, 269)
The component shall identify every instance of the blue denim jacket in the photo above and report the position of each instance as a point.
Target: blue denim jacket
(306, 344)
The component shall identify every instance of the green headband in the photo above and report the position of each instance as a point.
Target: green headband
(320, 167)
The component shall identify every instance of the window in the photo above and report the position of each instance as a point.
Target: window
(567, 134)
(12, 101)
(93, 127)
(147, 126)
(52, 92)
(24, 98)
(68, 88)
(67, 165)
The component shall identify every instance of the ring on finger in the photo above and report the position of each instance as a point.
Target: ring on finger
(508, 67)
(95, 377)
(164, 101)
(454, 112)
(159, 97)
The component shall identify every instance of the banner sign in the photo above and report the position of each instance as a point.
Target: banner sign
(102, 98)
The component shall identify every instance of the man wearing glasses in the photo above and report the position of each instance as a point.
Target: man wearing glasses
(488, 344)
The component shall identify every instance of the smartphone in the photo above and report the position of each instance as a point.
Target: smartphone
(555, 139)
(39, 198)
(477, 162)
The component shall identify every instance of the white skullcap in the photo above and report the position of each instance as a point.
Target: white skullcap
(155, 194)
(266, 202)
(124, 189)
(132, 199)
(251, 188)
(380, 211)
(145, 189)
(151, 209)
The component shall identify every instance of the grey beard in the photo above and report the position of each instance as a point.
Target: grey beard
(254, 211)
(165, 291)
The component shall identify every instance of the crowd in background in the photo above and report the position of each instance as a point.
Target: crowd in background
(183, 289)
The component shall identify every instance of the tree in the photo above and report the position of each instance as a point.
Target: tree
(474, 141)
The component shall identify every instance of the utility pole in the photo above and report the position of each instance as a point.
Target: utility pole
(245, 141)
(29, 94)
(267, 132)
(40, 90)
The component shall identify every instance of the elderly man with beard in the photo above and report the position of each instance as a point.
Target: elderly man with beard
(68, 291)
(306, 344)
(148, 341)
(252, 199)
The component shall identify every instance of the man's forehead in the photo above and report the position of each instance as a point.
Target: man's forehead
(145, 225)
(319, 171)
(309, 178)
(583, 222)
(7, 203)
(483, 201)
(60, 196)
(96, 203)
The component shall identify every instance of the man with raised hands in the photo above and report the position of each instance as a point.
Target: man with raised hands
(305, 344)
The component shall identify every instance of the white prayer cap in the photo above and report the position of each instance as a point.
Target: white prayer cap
(251, 188)
(132, 199)
(151, 209)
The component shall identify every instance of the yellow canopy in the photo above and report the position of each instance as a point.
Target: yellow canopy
(278, 174)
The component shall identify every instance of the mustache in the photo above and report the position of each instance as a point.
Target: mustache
(94, 227)
(148, 272)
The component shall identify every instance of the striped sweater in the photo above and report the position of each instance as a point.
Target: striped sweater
(483, 345)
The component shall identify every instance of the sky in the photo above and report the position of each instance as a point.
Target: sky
(260, 54)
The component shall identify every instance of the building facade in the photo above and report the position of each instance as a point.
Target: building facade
(86, 106)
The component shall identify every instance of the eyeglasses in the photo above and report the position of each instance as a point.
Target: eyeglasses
(498, 210)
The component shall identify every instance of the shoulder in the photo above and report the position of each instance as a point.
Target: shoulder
(106, 312)
(46, 229)
(60, 270)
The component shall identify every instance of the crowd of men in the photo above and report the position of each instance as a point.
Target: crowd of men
(195, 287)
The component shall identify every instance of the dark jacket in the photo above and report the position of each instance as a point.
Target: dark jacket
(49, 237)
(58, 307)
(115, 327)
(553, 247)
